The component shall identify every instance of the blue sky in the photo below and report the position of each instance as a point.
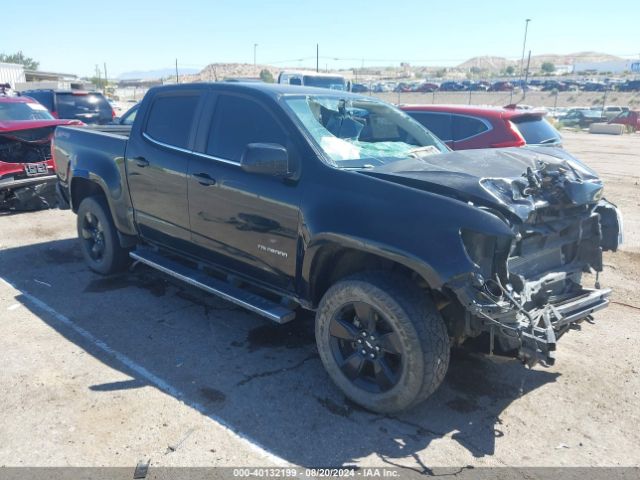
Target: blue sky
(73, 37)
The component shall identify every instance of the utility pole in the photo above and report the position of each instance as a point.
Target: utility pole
(524, 44)
(317, 57)
(106, 78)
(99, 80)
(255, 47)
(526, 78)
(177, 80)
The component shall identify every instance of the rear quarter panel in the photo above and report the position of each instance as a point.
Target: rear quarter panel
(96, 156)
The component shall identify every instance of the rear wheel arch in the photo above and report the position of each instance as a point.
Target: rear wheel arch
(82, 188)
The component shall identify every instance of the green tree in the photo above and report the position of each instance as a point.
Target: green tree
(547, 67)
(99, 82)
(510, 70)
(266, 76)
(19, 58)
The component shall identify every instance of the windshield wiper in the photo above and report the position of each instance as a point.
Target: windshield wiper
(549, 140)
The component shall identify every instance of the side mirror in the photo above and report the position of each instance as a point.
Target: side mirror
(266, 159)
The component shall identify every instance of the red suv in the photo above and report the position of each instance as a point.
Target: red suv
(630, 118)
(465, 127)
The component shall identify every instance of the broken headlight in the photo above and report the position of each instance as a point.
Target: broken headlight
(488, 252)
(611, 225)
(480, 248)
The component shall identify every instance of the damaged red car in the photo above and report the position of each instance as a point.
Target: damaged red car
(27, 176)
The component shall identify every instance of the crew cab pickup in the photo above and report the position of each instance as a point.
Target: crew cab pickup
(280, 197)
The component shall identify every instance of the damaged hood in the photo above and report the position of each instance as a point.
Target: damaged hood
(8, 126)
(514, 180)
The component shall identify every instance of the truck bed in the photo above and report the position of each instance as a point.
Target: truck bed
(99, 144)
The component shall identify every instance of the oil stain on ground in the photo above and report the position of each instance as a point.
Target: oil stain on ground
(343, 410)
(296, 334)
(462, 405)
(156, 286)
(65, 255)
(212, 395)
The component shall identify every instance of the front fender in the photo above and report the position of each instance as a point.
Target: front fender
(414, 228)
(389, 252)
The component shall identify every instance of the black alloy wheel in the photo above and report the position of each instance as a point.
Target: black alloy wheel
(93, 236)
(365, 347)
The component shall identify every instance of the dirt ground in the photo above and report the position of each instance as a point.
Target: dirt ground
(108, 371)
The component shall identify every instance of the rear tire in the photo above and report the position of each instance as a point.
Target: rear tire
(382, 341)
(99, 238)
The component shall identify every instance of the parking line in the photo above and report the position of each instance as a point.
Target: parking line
(147, 375)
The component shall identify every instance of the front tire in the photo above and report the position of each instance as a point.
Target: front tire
(382, 341)
(99, 238)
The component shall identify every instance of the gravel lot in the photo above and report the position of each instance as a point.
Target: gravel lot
(108, 371)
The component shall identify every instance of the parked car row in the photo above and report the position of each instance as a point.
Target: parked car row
(583, 117)
(428, 87)
(547, 85)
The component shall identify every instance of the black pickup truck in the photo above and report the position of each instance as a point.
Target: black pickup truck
(285, 197)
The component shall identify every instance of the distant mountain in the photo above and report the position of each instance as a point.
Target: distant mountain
(220, 71)
(486, 63)
(499, 63)
(154, 74)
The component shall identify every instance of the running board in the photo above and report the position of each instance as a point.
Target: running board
(257, 304)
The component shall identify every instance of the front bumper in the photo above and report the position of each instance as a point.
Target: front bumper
(13, 183)
(544, 326)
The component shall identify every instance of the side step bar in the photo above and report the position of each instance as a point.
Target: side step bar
(257, 304)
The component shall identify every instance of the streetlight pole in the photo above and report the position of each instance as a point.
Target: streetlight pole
(524, 44)
(255, 48)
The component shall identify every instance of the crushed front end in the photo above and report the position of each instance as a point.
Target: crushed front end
(527, 291)
(27, 176)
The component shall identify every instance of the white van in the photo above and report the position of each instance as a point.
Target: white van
(314, 79)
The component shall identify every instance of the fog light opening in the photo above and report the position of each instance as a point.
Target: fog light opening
(492, 289)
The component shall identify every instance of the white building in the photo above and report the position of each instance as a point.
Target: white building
(617, 66)
(11, 73)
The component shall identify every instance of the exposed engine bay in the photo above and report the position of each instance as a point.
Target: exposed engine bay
(529, 291)
(26, 169)
(525, 288)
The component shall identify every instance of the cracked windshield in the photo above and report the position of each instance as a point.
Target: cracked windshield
(362, 133)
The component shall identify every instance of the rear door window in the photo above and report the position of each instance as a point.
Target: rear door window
(45, 98)
(171, 118)
(536, 130)
(237, 122)
(465, 127)
(437, 123)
